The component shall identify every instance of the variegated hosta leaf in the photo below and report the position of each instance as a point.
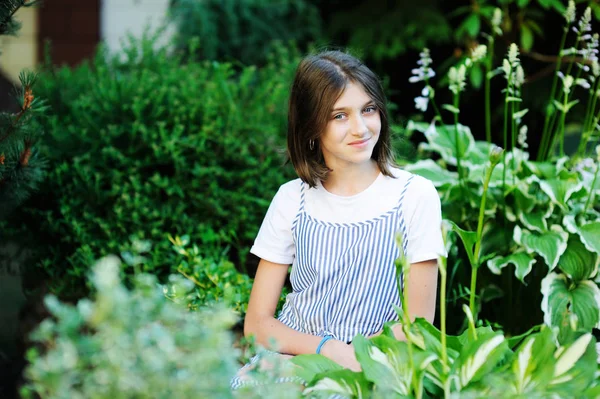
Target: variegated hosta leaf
(311, 365)
(524, 201)
(590, 236)
(575, 367)
(570, 306)
(476, 173)
(345, 383)
(521, 260)
(478, 358)
(543, 170)
(534, 220)
(560, 191)
(386, 362)
(549, 245)
(577, 262)
(443, 141)
(388, 368)
(533, 363)
(431, 170)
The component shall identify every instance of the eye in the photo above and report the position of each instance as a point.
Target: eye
(339, 116)
(370, 109)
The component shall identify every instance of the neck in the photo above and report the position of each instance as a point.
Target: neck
(351, 179)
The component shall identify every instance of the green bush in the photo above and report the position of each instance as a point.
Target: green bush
(134, 344)
(143, 146)
(244, 31)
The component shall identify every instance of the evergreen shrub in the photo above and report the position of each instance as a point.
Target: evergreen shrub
(246, 30)
(143, 145)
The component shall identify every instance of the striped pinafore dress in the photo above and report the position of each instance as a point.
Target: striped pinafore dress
(344, 276)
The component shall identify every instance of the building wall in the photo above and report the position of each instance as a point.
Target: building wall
(72, 27)
(118, 18)
(20, 52)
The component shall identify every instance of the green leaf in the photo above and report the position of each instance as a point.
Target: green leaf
(443, 140)
(533, 363)
(533, 220)
(549, 245)
(522, 261)
(590, 236)
(577, 262)
(432, 171)
(560, 191)
(385, 361)
(341, 382)
(520, 114)
(471, 25)
(478, 358)
(476, 76)
(522, 3)
(310, 365)
(570, 307)
(568, 360)
(469, 238)
(526, 37)
(451, 108)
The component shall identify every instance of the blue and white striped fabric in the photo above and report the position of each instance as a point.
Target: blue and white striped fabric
(343, 276)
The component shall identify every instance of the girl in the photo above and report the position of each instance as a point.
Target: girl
(336, 224)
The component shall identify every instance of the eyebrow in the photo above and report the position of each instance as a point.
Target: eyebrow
(345, 108)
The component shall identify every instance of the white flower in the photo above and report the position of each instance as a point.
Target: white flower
(421, 103)
(506, 68)
(479, 52)
(584, 164)
(583, 83)
(567, 82)
(457, 78)
(513, 54)
(497, 21)
(522, 138)
(519, 77)
(570, 12)
(424, 72)
(585, 23)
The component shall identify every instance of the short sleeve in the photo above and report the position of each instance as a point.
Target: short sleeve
(274, 241)
(424, 215)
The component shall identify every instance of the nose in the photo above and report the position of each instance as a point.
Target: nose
(359, 127)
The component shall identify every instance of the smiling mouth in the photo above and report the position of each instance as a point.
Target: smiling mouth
(359, 142)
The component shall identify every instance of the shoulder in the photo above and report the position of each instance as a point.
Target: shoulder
(416, 186)
(287, 198)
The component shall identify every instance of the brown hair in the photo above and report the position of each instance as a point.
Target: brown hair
(320, 80)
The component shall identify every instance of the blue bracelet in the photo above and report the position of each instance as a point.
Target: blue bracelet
(325, 339)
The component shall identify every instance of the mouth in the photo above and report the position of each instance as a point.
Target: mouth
(360, 142)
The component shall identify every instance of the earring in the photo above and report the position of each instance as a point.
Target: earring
(311, 144)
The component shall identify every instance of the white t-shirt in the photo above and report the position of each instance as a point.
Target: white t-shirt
(421, 208)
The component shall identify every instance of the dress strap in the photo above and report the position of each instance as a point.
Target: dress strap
(403, 224)
(301, 207)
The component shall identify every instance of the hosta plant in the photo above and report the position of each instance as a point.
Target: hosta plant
(542, 216)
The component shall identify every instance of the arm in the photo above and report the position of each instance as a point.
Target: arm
(261, 323)
(421, 290)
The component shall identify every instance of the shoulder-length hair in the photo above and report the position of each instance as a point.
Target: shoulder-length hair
(319, 82)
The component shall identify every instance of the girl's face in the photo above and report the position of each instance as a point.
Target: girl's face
(352, 130)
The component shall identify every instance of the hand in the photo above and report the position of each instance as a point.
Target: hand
(341, 353)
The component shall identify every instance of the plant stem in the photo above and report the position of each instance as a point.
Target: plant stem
(589, 199)
(589, 119)
(456, 137)
(488, 78)
(444, 278)
(479, 236)
(549, 108)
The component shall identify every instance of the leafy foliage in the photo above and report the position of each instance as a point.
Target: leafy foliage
(132, 343)
(144, 145)
(246, 30)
